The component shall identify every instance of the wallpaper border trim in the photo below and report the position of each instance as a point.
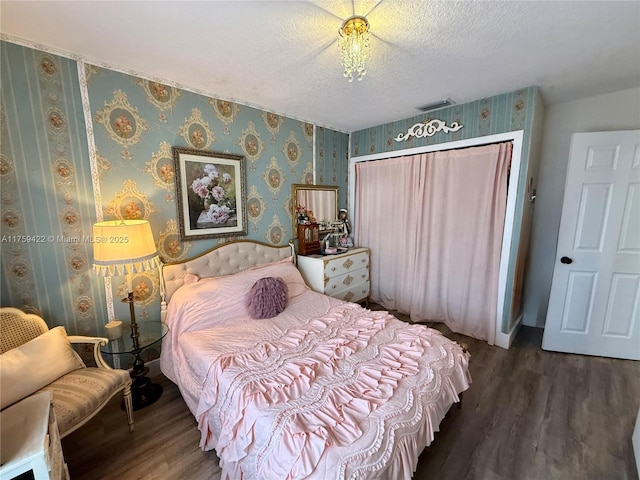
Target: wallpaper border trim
(95, 172)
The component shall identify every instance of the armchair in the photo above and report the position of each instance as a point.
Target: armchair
(79, 394)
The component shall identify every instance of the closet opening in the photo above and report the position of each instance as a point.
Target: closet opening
(443, 231)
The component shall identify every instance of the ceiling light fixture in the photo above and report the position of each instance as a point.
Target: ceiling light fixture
(354, 44)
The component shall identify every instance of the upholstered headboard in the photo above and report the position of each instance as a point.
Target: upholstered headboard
(225, 259)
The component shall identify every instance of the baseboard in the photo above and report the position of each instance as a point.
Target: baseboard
(504, 340)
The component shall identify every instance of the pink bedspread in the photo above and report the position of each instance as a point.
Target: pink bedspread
(324, 390)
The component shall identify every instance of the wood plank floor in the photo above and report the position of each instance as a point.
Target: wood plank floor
(529, 415)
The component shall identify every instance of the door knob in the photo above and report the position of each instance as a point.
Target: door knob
(566, 260)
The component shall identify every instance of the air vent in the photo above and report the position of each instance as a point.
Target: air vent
(435, 105)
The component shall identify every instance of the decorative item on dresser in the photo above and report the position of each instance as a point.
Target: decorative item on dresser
(308, 239)
(31, 441)
(344, 276)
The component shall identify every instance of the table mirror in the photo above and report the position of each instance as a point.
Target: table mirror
(316, 201)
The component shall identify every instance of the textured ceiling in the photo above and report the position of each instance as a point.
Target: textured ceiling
(283, 56)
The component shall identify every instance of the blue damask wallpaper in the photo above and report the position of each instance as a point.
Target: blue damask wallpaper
(60, 175)
(81, 143)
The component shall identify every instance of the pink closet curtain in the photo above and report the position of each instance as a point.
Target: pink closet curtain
(434, 224)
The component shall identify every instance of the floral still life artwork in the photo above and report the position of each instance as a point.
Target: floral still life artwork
(211, 193)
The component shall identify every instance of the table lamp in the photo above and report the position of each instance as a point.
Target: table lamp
(126, 247)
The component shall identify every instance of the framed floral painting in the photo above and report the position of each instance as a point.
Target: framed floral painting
(211, 194)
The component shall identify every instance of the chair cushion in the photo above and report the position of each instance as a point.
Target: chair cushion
(31, 366)
(78, 395)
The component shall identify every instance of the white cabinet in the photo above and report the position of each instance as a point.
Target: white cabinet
(344, 276)
(30, 440)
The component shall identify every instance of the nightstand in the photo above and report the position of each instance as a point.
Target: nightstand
(30, 440)
(143, 392)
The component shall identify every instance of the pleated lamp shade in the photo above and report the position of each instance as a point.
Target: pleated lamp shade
(123, 247)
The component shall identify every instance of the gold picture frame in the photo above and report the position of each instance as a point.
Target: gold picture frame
(210, 194)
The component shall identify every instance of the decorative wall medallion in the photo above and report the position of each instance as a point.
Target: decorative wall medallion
(145, 288)
(292, 150)
(428, 128)
(84, 306)
(256, 206)
(273, 176)
(307, 130)
(276, 232)
(484, 122)
(20, 270)
(161, 167)
(121, 121)
(48, 65)
(162, 96)
(77, 262)
(251, 143)
(70, 217)
(170, 247)
(225, 111)
(63, 171)
(272, 121)
(130, 204)
(140, 289)
(55, 119)
(11, 220)
(196, 132)
(519, 111)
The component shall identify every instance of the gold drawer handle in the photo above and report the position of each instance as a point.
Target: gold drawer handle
(348, 263)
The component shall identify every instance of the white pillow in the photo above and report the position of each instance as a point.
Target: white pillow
(35, 364)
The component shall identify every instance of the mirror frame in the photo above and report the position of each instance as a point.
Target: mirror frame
(294, 200)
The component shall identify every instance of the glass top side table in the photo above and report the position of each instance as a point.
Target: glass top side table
(143, 392)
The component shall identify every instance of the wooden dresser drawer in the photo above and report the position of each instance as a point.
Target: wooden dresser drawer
(344, 276)
(355, 293)
(344, 264)
(346, 280)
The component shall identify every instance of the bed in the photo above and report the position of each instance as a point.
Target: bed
(324, 389)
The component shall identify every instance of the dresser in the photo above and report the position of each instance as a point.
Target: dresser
(344, 276)
(30, 440)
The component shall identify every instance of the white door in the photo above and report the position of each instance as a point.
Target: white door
(595, 292)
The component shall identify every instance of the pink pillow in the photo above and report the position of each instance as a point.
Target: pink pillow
(267, 297)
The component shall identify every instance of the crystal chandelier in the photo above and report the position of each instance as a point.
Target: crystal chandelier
(354, 44)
